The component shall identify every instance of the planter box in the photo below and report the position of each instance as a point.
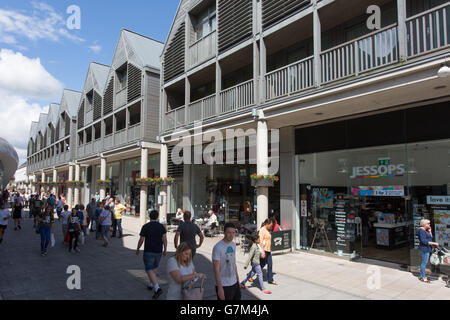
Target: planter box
(165, 183)
(262, 183)
(145, 183)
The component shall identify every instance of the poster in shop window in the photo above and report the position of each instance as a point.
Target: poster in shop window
(323, 198)
(441, 227)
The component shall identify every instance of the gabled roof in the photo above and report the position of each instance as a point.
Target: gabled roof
(172, 27)
(100, 73)
(42, 123)
(148, 50)
(70, 102)
(53, 113)
(34, 130)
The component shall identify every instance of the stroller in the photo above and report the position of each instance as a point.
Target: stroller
(441, 257)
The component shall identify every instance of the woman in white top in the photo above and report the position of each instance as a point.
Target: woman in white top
(181, 272)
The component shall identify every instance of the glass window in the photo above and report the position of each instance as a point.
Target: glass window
(206, 23)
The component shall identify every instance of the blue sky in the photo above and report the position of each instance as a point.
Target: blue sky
(34, 36)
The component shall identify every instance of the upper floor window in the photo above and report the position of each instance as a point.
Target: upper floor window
(205, 22)
(89, 100)
(121, 76)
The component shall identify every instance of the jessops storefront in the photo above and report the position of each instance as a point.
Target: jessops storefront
(364, 184)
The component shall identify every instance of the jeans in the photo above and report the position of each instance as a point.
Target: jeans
(45, 238)
(268, 260)
(117, 224)
(256, 269)
(423, 266)
(98, 229)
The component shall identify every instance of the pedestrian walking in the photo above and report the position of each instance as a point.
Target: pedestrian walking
(265, 239)
(187, 231)
(118, 211)
(59, 207)
(91, 208)
(182, 274)
(37, 207)
(45, 225)
(224, 264)
(155, 236)
(105, 223)
(17, 214)
(254, 257)
(5, 214)
(64, 220)
(426, 247)
(74, 229)
(98, 229)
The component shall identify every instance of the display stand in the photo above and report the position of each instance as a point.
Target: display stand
(320, 226)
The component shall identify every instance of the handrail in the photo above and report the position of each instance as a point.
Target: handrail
(290, 65)
(200, 100)
(173, 110)
(428, 11)
(202, 38)
(236, 86)
(359, 38)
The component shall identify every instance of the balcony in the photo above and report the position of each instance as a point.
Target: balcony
(97, 146)
(203, 49)
(120, 137)
(237, 97)
(290, 79)
(134, 132)
(174, 119)
(428, 31)
(108, 142)
(202, 109)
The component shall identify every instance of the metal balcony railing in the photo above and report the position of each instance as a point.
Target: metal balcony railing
(203, 49)
(202, 109)
(237, 97)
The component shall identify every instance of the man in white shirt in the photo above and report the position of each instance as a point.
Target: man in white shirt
(210, 222)
(224, 263)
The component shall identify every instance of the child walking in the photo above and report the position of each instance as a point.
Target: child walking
(254, 257)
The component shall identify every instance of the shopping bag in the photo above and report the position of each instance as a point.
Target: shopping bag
(87, 231)
(94, 226)
(67, 237)
(82, 237)
(195, 293)
(52, 240)
(22, 214)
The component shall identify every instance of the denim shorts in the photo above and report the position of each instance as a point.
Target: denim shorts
(105, 231)
(152, 260)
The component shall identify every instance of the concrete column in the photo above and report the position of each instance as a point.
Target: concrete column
(402, 47)
(69, 189)
(317, 46)
(102, 177)
(187, 99)
(33, 186)
(77, 188)
(262, 161)
(218, 86)
(43, 189)
(55, 180)
(144, 189)
(287, 179)
(163, 189)
(187, 187)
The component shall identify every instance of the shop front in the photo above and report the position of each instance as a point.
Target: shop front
(364, 184)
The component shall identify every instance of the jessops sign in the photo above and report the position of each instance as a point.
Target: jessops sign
(384, 170)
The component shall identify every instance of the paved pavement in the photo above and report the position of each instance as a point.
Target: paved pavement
(116, 273)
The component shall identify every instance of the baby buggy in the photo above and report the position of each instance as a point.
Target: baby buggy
(441, 257)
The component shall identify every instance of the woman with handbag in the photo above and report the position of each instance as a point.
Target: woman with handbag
(425, 247)
(182, 276)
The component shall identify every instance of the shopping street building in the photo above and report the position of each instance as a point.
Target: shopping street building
(345, 101)
(94, 140)
(363, 145)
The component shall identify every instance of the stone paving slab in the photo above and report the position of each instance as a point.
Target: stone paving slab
(116, 273)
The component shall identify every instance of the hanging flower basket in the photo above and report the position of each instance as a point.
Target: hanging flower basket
(103, 182)
(263, 180)
(155, 181)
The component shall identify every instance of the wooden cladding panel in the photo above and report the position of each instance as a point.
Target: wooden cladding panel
(134, 82)
(276, 10)
(81, 116)
(97, 106)
(235, 22)
(174, 56)
(108, 100)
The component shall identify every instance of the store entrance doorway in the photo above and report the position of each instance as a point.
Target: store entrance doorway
(383, 229)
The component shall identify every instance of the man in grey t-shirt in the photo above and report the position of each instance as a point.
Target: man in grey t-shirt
(224, 263)
(187, 231)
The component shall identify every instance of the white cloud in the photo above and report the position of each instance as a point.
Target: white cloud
(26, 77)
(16, 115)
(96, 48)
(23, 79)
(43, 23)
